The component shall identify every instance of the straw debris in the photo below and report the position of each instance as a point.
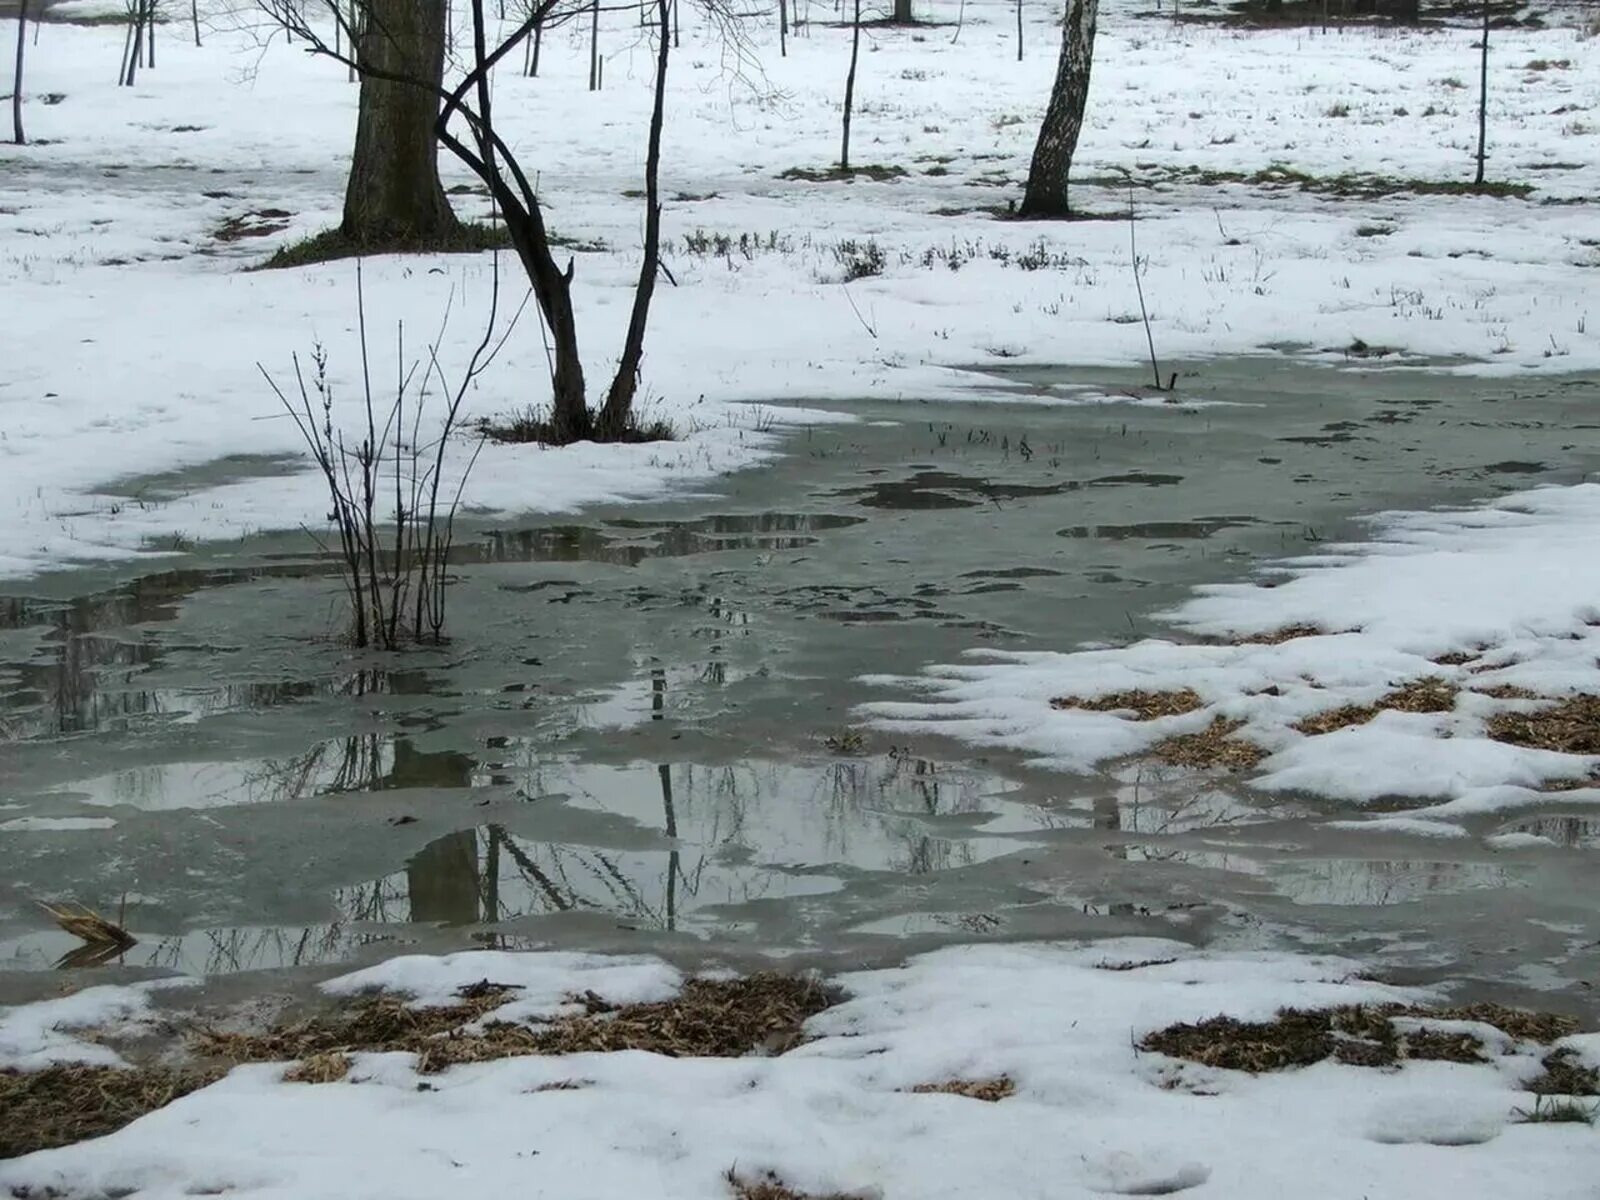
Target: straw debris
(709, 1018)
(72, 1102)
(90, 927)
(989, 1090)
(1429, 695)
(1356, 1035)
(767, 1186)
(1571, 726)
(1565, 1076)
(1213, 746)
(1145, 706)
(1277, 637)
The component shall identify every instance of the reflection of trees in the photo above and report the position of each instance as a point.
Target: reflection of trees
(628, 543)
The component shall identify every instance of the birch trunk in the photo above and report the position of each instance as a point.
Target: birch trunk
(1046, 194)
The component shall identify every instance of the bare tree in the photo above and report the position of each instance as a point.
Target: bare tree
(466, 128)
(394, 195)
(16, 77)
(1046, 194)
(850, 87)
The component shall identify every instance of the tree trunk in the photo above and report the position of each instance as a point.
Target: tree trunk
(1483, 99)
(16, 79)
(850, 89)
(1046, 194)
(614, 417)
(394, 192)
(902, 13)
(1408, 12)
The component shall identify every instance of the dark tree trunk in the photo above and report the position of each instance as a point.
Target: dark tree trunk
(902, 12)
(1046, 194)
(850, 89)
(1408, 12)
(1483, 99)
(394, 192)
(614, 417)
(16, 78)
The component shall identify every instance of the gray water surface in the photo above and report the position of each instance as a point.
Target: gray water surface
(639, 736)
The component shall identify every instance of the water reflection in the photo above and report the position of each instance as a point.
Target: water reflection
(1575, 833)
(357, 763)
(629, 542)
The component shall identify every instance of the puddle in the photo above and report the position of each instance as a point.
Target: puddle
(632, 740)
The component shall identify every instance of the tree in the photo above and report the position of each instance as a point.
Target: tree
(394, 195)
(1046, 194)
(465, 127)
(16, 79)
(902, 13)
(850, 88)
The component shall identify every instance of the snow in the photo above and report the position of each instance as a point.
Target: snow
(133, 337)
(1091, 1115)
(54, 824)
(35, 1036)
(1510, 583)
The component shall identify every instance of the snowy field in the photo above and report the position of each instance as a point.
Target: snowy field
(132, 334)
(1090, 1115)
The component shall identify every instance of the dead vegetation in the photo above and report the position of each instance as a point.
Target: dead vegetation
(1276, 637)
(1356, 1035)
(990, 1091)
(1571, 726)
(708, 1019)
(714, 1018)
(1145, 706)
(767, 1186)
(1564, 1075)
(72, 1102)
(1428, 695)
(1214, 746)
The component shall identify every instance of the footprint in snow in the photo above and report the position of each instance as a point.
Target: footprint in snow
(1144, 1174)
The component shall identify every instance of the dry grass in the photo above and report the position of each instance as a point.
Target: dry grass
(988, 1090)
(329, 1066)
(1429, 695)
(709, 1018)
(1571, 726)
(1456, 658)
(1507, 691)
(1277, 637)
(72, 1102)
(1145, 706)
(767, 1186)
(1356, 1035)
(1565, 1076)
(1213, 746)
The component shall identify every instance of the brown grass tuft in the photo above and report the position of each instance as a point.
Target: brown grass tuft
(710, 1018)
(1571, 726)
(1507, 691)
(89, 926)
(1145, 706)
(72, 1102)
(1456, 658)
(767, 1186)
(1429, 695)
(1565, 1076)
(1211, 747)
(1356, 1035)
(1276, 637)
(989, 1090)
(329, 1066)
